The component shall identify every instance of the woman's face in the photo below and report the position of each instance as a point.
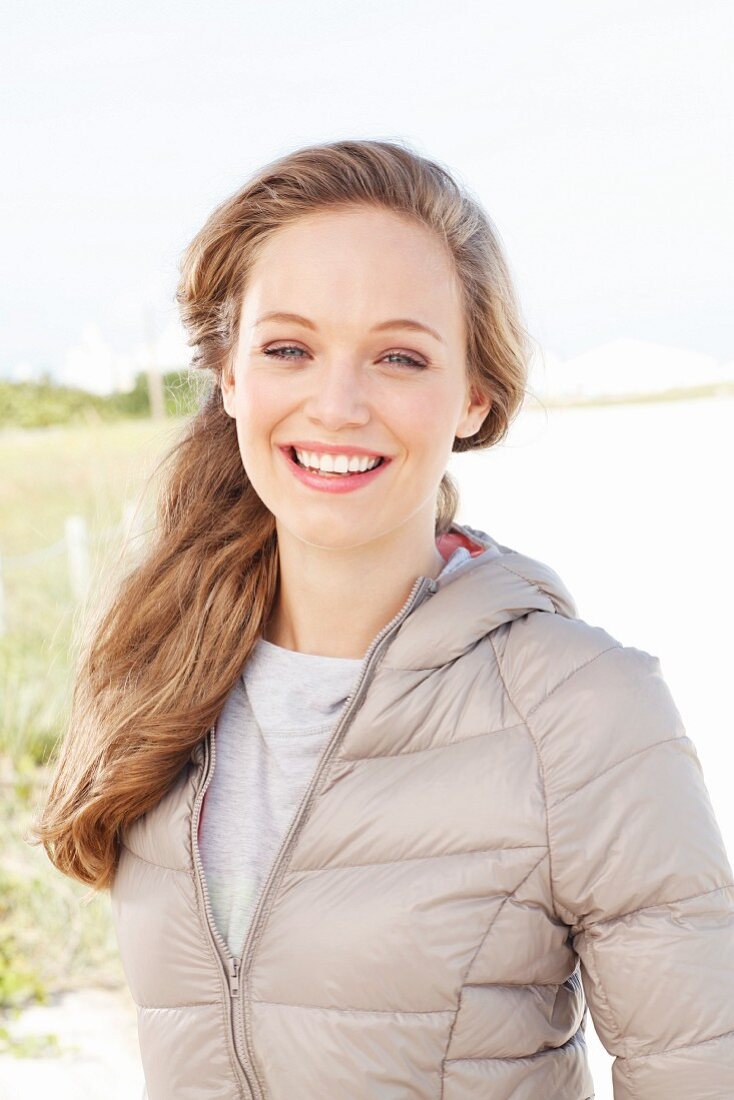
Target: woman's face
(353, 370)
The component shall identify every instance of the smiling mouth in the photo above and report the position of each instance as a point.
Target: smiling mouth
(330, 473)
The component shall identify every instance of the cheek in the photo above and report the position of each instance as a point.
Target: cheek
(425, 418)
(260, 409)
(259, 404)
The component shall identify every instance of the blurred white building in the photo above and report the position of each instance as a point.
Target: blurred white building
(94, 365)
(624, 368)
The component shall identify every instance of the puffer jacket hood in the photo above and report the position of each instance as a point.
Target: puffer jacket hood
(495, 586)
(508, 823)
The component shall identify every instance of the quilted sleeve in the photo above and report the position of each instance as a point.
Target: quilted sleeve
(640, 874)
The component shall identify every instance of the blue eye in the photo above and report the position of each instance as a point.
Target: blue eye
(411, 361)
(276, 352)
(279, 353)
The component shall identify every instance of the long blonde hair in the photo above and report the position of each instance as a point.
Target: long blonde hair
(166, 650)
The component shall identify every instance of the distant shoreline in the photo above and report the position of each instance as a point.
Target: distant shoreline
(679, 393)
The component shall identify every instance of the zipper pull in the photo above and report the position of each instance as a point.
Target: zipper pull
(233, 983)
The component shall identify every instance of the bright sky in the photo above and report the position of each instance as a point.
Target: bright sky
(597, 135)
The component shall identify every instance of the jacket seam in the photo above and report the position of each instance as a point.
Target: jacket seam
(534, 584)
(431, 748)
(470, 964)
(683, 1046)
(335, 1008)
(573, 1041)
(556, 906)
(435, 668)
(657, 905)
(183, 1004)
(541, 766)
(518, 985)
(568, 675)
(160, 866)
(616, 764)
(602, 993)
(412, 859)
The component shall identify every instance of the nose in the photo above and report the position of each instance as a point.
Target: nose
(338, 397)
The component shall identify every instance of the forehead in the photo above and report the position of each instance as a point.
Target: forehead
(359, 263)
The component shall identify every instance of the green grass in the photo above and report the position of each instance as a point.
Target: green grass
(57, 472)
(53, 934)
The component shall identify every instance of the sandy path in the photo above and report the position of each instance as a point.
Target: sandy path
(97, 1029)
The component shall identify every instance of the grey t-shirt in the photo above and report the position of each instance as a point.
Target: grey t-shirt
(270, 735)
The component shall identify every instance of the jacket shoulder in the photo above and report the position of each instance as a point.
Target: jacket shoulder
(541, 650)
(589, 701)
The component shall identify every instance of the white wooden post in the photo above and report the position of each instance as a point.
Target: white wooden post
(133, 528)
(3, 615)
(77, 548)
(131, 521)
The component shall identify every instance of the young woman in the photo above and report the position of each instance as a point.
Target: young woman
(379, 813)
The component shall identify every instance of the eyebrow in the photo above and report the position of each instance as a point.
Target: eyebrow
(398, 322)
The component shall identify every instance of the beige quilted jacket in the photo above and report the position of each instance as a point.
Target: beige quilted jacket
(508, 822)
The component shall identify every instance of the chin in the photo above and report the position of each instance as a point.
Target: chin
(336, 536)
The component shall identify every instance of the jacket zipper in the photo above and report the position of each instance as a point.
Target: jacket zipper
(422, 585)
(223, 953)
(238, 969)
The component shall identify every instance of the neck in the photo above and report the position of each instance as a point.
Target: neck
(332, 602)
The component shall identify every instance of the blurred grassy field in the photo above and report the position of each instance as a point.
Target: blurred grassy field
(49, 940)
(53, 473)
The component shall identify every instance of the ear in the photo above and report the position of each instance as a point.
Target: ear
(473, 418)
(226, 384)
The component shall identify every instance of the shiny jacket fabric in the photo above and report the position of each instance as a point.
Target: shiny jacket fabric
(509, 822)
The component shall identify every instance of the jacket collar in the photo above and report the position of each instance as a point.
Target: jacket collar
(493, 586)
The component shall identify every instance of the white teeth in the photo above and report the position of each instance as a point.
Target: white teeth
(336, 464)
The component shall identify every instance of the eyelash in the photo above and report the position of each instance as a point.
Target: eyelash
(272, 352)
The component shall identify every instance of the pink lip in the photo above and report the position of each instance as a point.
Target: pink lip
(331, 448)
(343, 484)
